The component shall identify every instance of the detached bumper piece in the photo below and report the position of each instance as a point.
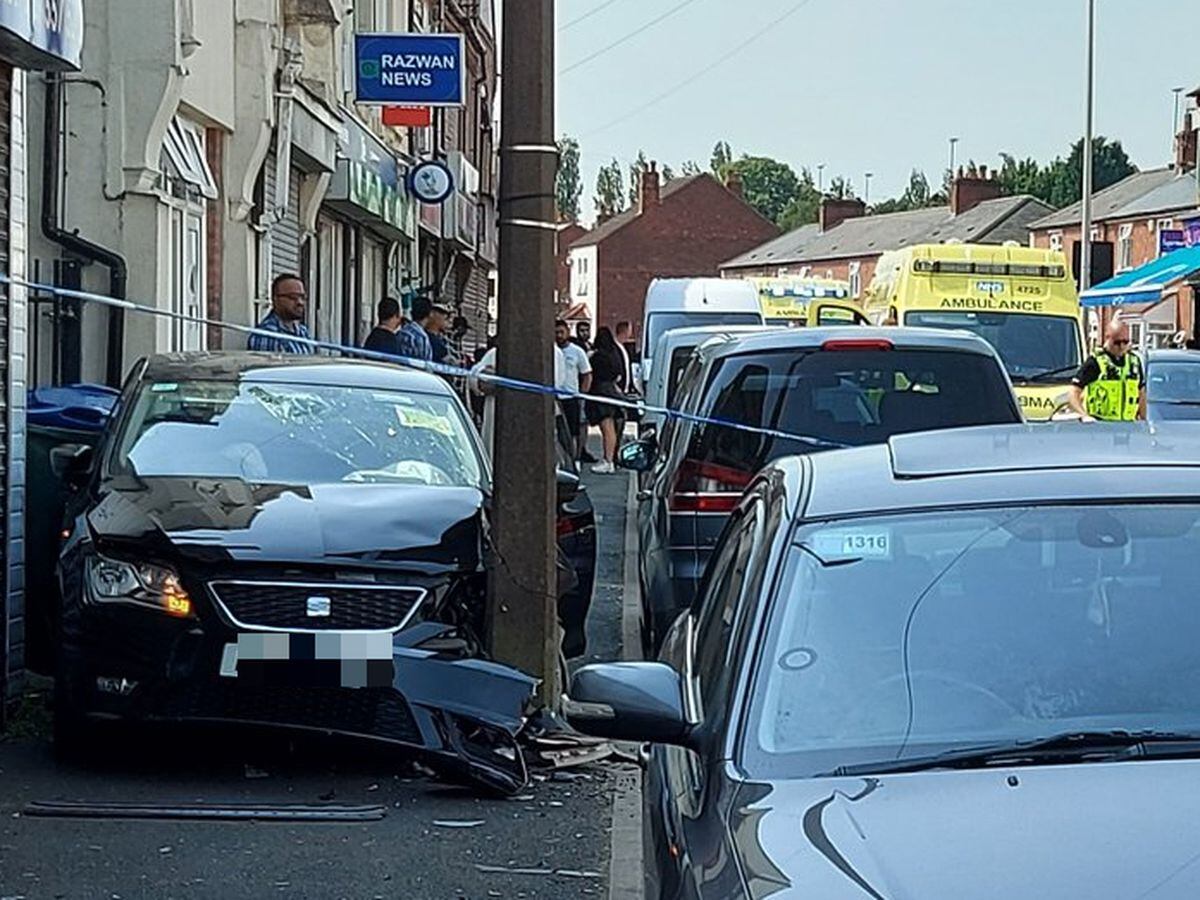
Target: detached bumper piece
(286, 812)
(461, 716)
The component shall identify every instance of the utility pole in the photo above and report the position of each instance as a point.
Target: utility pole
(953, 153)
(821, 179)
(1085, 225)
(867, 187)
(523, 605)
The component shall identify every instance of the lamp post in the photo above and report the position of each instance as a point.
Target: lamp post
(1085, 225)
(867, 187)
(953, 147)
(821, 179)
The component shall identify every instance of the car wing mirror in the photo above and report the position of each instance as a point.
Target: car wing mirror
(72, 463)
(638, 456)
(629, 701)
(568, 486)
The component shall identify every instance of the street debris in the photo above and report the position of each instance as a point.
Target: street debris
(453, 823)
(532, 870)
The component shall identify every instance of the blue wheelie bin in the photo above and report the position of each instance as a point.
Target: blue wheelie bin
(72, 414)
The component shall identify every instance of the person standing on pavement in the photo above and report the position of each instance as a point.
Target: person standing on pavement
(439, 319)
(577, 378)
(286, 318)
(382, 338)
(606, 382)
(487, 390)
(583, 335)
(1111, 385)
(413, 338)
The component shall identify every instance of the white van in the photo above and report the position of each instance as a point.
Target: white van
(687, 302)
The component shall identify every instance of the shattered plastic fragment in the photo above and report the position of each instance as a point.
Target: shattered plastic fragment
(454, 823)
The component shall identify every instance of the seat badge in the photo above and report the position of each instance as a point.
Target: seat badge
(318, 607)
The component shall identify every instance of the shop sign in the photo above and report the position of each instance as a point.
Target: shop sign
(410, 69)
(42, 34)
(1191, 232)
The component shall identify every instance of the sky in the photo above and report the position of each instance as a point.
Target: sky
(868, 85)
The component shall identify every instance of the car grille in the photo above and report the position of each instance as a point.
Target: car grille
(374, 712)
(289, 606)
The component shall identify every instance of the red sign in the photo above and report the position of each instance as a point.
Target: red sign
(408, 116)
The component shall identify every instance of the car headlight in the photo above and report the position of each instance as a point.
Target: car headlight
(140, 584)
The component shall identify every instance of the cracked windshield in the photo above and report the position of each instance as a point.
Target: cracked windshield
(631, 449)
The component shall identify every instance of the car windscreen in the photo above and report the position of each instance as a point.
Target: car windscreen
(845, 397)
(1032, 347)
(660, 323)
(901, 636)
(276, 433)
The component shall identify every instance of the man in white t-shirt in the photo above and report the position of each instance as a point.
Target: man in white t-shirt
(487, 366)
(577, 378)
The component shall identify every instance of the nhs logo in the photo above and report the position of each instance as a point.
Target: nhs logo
(990, 287)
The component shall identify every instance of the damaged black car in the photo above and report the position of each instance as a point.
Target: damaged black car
(296, 541)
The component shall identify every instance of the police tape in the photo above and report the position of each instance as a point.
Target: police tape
(477, 374)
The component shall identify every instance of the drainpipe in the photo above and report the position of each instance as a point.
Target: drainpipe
(71, 241)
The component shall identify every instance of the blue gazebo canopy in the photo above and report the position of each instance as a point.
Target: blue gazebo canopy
(1147, 283)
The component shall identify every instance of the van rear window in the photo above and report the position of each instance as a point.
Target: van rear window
(851, 398)
(660, 323)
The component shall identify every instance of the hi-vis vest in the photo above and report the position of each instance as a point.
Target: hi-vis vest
(1114, 396)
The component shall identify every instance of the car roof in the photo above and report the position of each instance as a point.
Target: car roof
(812, 338)
(1192, 356)
(283, 368)
(698, 334)
(1004, 464)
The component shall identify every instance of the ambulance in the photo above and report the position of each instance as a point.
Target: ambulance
(798, 301)
(1020, 299)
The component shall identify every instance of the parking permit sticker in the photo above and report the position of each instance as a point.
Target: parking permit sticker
(853, 543)
(419, 418)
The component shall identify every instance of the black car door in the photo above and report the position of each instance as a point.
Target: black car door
(702, 648)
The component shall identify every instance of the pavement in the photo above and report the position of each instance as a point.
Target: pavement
(567, 836)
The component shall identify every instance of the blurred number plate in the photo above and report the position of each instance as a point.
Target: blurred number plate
(327, 659)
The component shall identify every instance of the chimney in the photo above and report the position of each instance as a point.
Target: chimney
(834, 211)
(650, 194)
(1189, 135)
(733, 182)
(972, 188)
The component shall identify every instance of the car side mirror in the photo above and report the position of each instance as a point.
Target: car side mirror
(72, 463)
(638, 456)
(629, 701)
(568, 486)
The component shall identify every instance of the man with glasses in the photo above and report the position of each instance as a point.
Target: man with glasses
(286, 319)
(1111, 385)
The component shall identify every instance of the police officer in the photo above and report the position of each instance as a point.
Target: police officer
(1111, 385)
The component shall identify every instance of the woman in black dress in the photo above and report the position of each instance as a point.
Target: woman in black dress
(607, 381)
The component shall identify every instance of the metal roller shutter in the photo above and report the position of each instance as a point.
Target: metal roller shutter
(11, 616)
(285, 236)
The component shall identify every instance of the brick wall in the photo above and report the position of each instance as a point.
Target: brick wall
(690, 234)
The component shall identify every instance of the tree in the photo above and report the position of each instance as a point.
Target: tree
(610, 191)
(1060, 182)
(689, 168)
(767, 184)
(568, 185)
(636, 169)
(840, 189)
(667, 174)
(917, 195)
(805, 207)
(722, 158)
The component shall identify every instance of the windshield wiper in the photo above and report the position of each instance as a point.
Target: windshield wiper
(1048, 373)
(1068, 746)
